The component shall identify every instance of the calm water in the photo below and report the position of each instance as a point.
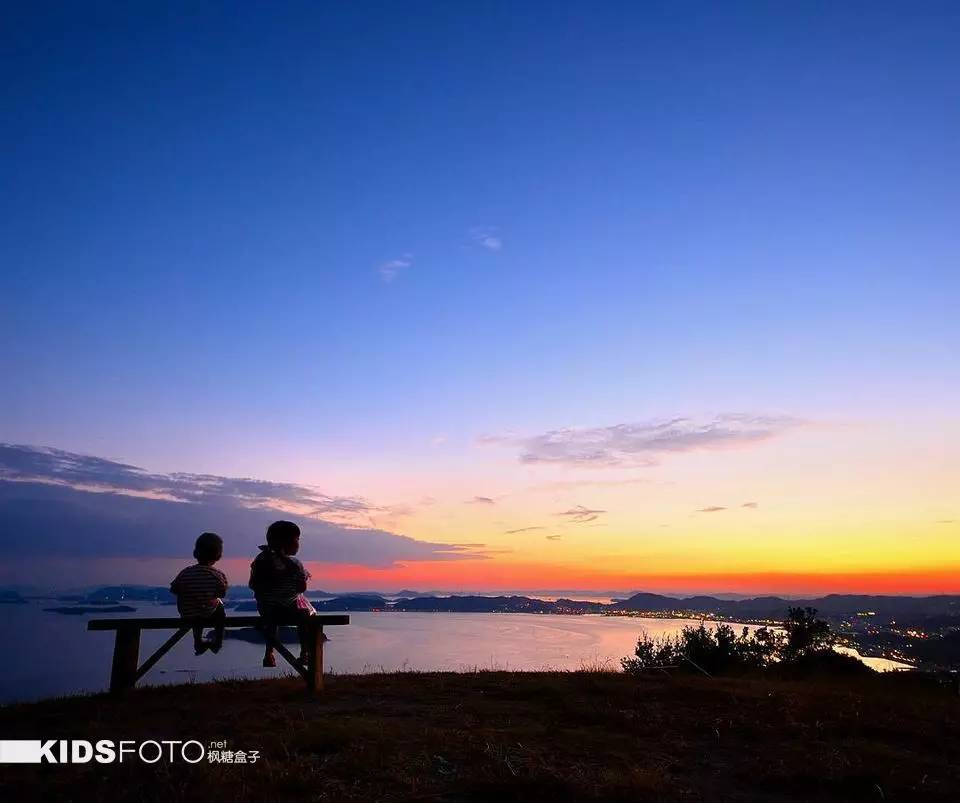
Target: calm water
(51, 654)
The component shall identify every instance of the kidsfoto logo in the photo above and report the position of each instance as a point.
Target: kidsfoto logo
(104, 751)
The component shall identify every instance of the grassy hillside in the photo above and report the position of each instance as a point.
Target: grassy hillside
(517, 737)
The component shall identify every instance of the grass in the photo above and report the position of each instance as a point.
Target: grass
(501, 736)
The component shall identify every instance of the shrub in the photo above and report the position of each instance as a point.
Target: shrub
(763, 648)
(715, 650)
(653, 653)
(806, 633)
(721, 649)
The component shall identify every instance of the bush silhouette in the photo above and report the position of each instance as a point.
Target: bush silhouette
(721, 650)
(806, 633)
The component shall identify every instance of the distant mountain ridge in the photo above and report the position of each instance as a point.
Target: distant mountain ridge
(768, 607)
(831, 604)
(763, 607)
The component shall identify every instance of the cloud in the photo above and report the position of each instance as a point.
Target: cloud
(495, 440)
(947, 521)
(480, 500)
(718, 508)
(522, 530)
(554, 537)
(97, 474)
(487, 237)
(641, 444)
(573, 485)
(56, 504)
(398, 511)
(391, 269)
(581, 514)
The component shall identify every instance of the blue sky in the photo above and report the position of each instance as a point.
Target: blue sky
(600, 212)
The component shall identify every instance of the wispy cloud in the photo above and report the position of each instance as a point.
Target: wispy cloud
(496, 440)
(573, 485)
(392, 268)
(554, 537)
(522, 530)
(480, 500)
(86, 472)
(719, 508)
(58, 504)
(487, 237)
(398, 511)
(581, 514)
(641, 444)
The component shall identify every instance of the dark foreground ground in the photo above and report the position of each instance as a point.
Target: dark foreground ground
(512, 737)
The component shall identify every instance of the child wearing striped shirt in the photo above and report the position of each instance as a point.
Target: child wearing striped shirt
(199, 590)
(278, 581)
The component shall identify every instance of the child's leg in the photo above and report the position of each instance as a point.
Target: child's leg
(199, 647)
(304, 633)
(217, 619)
(304, 647)
(270, 631)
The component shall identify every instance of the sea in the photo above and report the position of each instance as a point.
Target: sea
(51, 654)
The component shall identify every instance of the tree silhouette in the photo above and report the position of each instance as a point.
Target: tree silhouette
(805, 632)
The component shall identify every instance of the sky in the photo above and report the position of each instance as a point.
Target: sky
(486, 296)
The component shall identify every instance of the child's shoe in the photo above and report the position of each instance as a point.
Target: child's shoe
(270, 660)
(201, 648)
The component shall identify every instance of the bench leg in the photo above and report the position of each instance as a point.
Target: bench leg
(163, 650)
(126, 655)
(315, 666)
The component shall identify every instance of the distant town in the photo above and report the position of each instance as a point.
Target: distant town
(921, 631)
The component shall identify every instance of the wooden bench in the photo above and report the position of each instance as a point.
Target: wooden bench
(127, 670)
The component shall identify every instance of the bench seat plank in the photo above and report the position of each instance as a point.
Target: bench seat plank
(175, 622)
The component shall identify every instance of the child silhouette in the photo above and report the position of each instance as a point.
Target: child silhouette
(278, 581)
(199, 590)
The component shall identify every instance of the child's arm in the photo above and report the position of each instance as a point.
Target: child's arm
(301, 575)
(175, 586)
(224, 585)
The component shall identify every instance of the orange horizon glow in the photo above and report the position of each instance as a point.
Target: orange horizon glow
(457, 576)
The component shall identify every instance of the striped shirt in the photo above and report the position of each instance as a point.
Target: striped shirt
(198, 589)
(277, 579)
